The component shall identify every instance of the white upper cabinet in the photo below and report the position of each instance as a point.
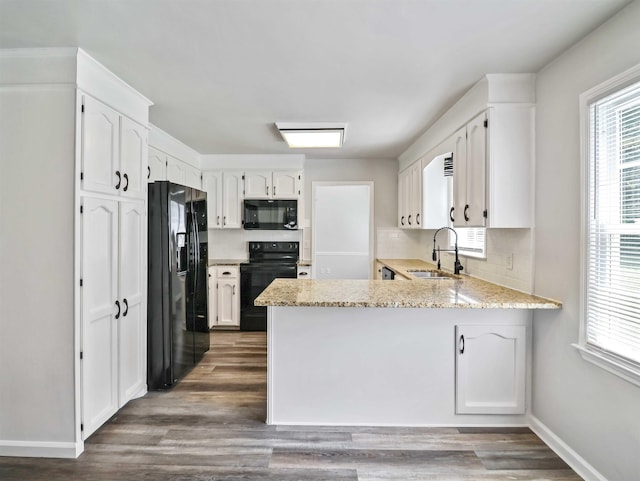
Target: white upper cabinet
(176, 171)
(212, 185)
(99, 147)
(286, 184)
(114, 151)
(157, 165)
(232, 199)
(492, 155)
(224, 198)
(166, 167)
(410, 197)
(404, 191)
(133, 158)
(272, 184)
(469, 179)
(492, 169)
(258, 185)
(193, 177)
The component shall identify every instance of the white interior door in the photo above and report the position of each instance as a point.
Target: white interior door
(342, 230)
(132, 322)
(99, 325)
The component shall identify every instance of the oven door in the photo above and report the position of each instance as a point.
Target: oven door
(254, 278)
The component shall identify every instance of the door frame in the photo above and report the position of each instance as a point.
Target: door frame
(314, 186)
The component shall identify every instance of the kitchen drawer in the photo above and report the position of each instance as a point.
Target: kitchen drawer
(304, 272)
(228, 272)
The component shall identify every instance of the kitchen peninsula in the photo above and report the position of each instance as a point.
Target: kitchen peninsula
(423, 352)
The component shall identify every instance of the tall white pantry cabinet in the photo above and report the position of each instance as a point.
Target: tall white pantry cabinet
(74, 144)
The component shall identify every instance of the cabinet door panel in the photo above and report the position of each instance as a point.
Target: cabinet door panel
(176, 171)
(213, 298)
(192, 177)
(459, 177)
(286, 185)
(490, 369)
(232, 200)
(415, 195)
(212, 185)
(257, 185)
(99, 326)
(228, 302)
(133, 158)
(404, 195)
(132, 322)
(476, 170)
(99, 147)
(157, 166)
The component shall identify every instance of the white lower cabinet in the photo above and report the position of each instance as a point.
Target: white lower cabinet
(224, 296)
(490, 369)
(113, 307)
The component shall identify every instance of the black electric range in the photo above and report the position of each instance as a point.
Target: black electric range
(267, 261)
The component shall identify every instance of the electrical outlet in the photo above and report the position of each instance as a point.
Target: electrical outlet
(509, 261)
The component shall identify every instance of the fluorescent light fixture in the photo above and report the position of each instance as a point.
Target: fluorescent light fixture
(312, 135)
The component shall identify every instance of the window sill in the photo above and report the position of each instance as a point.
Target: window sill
(618, 367)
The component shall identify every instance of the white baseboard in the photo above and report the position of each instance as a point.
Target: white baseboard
(41, 449)
(562, 449)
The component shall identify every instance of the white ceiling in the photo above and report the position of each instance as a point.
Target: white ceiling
(221, 72)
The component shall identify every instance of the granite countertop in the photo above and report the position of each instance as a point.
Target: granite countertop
(456, 292)
(225, 262)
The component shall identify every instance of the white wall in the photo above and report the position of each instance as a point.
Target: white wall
(37, 267)
(595, 413)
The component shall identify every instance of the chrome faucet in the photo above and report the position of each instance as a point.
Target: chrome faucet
(457, 267)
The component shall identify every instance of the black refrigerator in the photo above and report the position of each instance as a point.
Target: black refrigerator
(177, 307)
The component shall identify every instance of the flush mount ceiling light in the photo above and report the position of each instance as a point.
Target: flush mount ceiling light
(312, 135)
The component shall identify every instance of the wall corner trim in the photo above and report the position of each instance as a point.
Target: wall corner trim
(41, 449)
(562, 449)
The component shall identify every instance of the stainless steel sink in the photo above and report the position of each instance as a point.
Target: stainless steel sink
(430, 274)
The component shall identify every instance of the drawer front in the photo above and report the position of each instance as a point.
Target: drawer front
(227, 272)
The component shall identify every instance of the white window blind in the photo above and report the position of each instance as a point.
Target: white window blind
(471, 240)
(612, 297)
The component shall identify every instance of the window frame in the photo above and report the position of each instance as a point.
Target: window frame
(610, 362)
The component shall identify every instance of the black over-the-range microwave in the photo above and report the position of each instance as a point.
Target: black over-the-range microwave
(266, 214)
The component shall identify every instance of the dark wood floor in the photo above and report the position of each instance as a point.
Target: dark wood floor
(211, 427)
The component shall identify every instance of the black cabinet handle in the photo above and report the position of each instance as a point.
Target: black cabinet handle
(461, 344)
(303, 274)
(226, 273)
(233, 291)
(451, 214)
(274, 190)
(218, 220)
(418, 219)
(126, 177)
(126, 308)
(119, 179)
(466, 208)
(148, 172)
(224, 220)
(402, 220)
(118, 306)
(267, 190)
(409, 220)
